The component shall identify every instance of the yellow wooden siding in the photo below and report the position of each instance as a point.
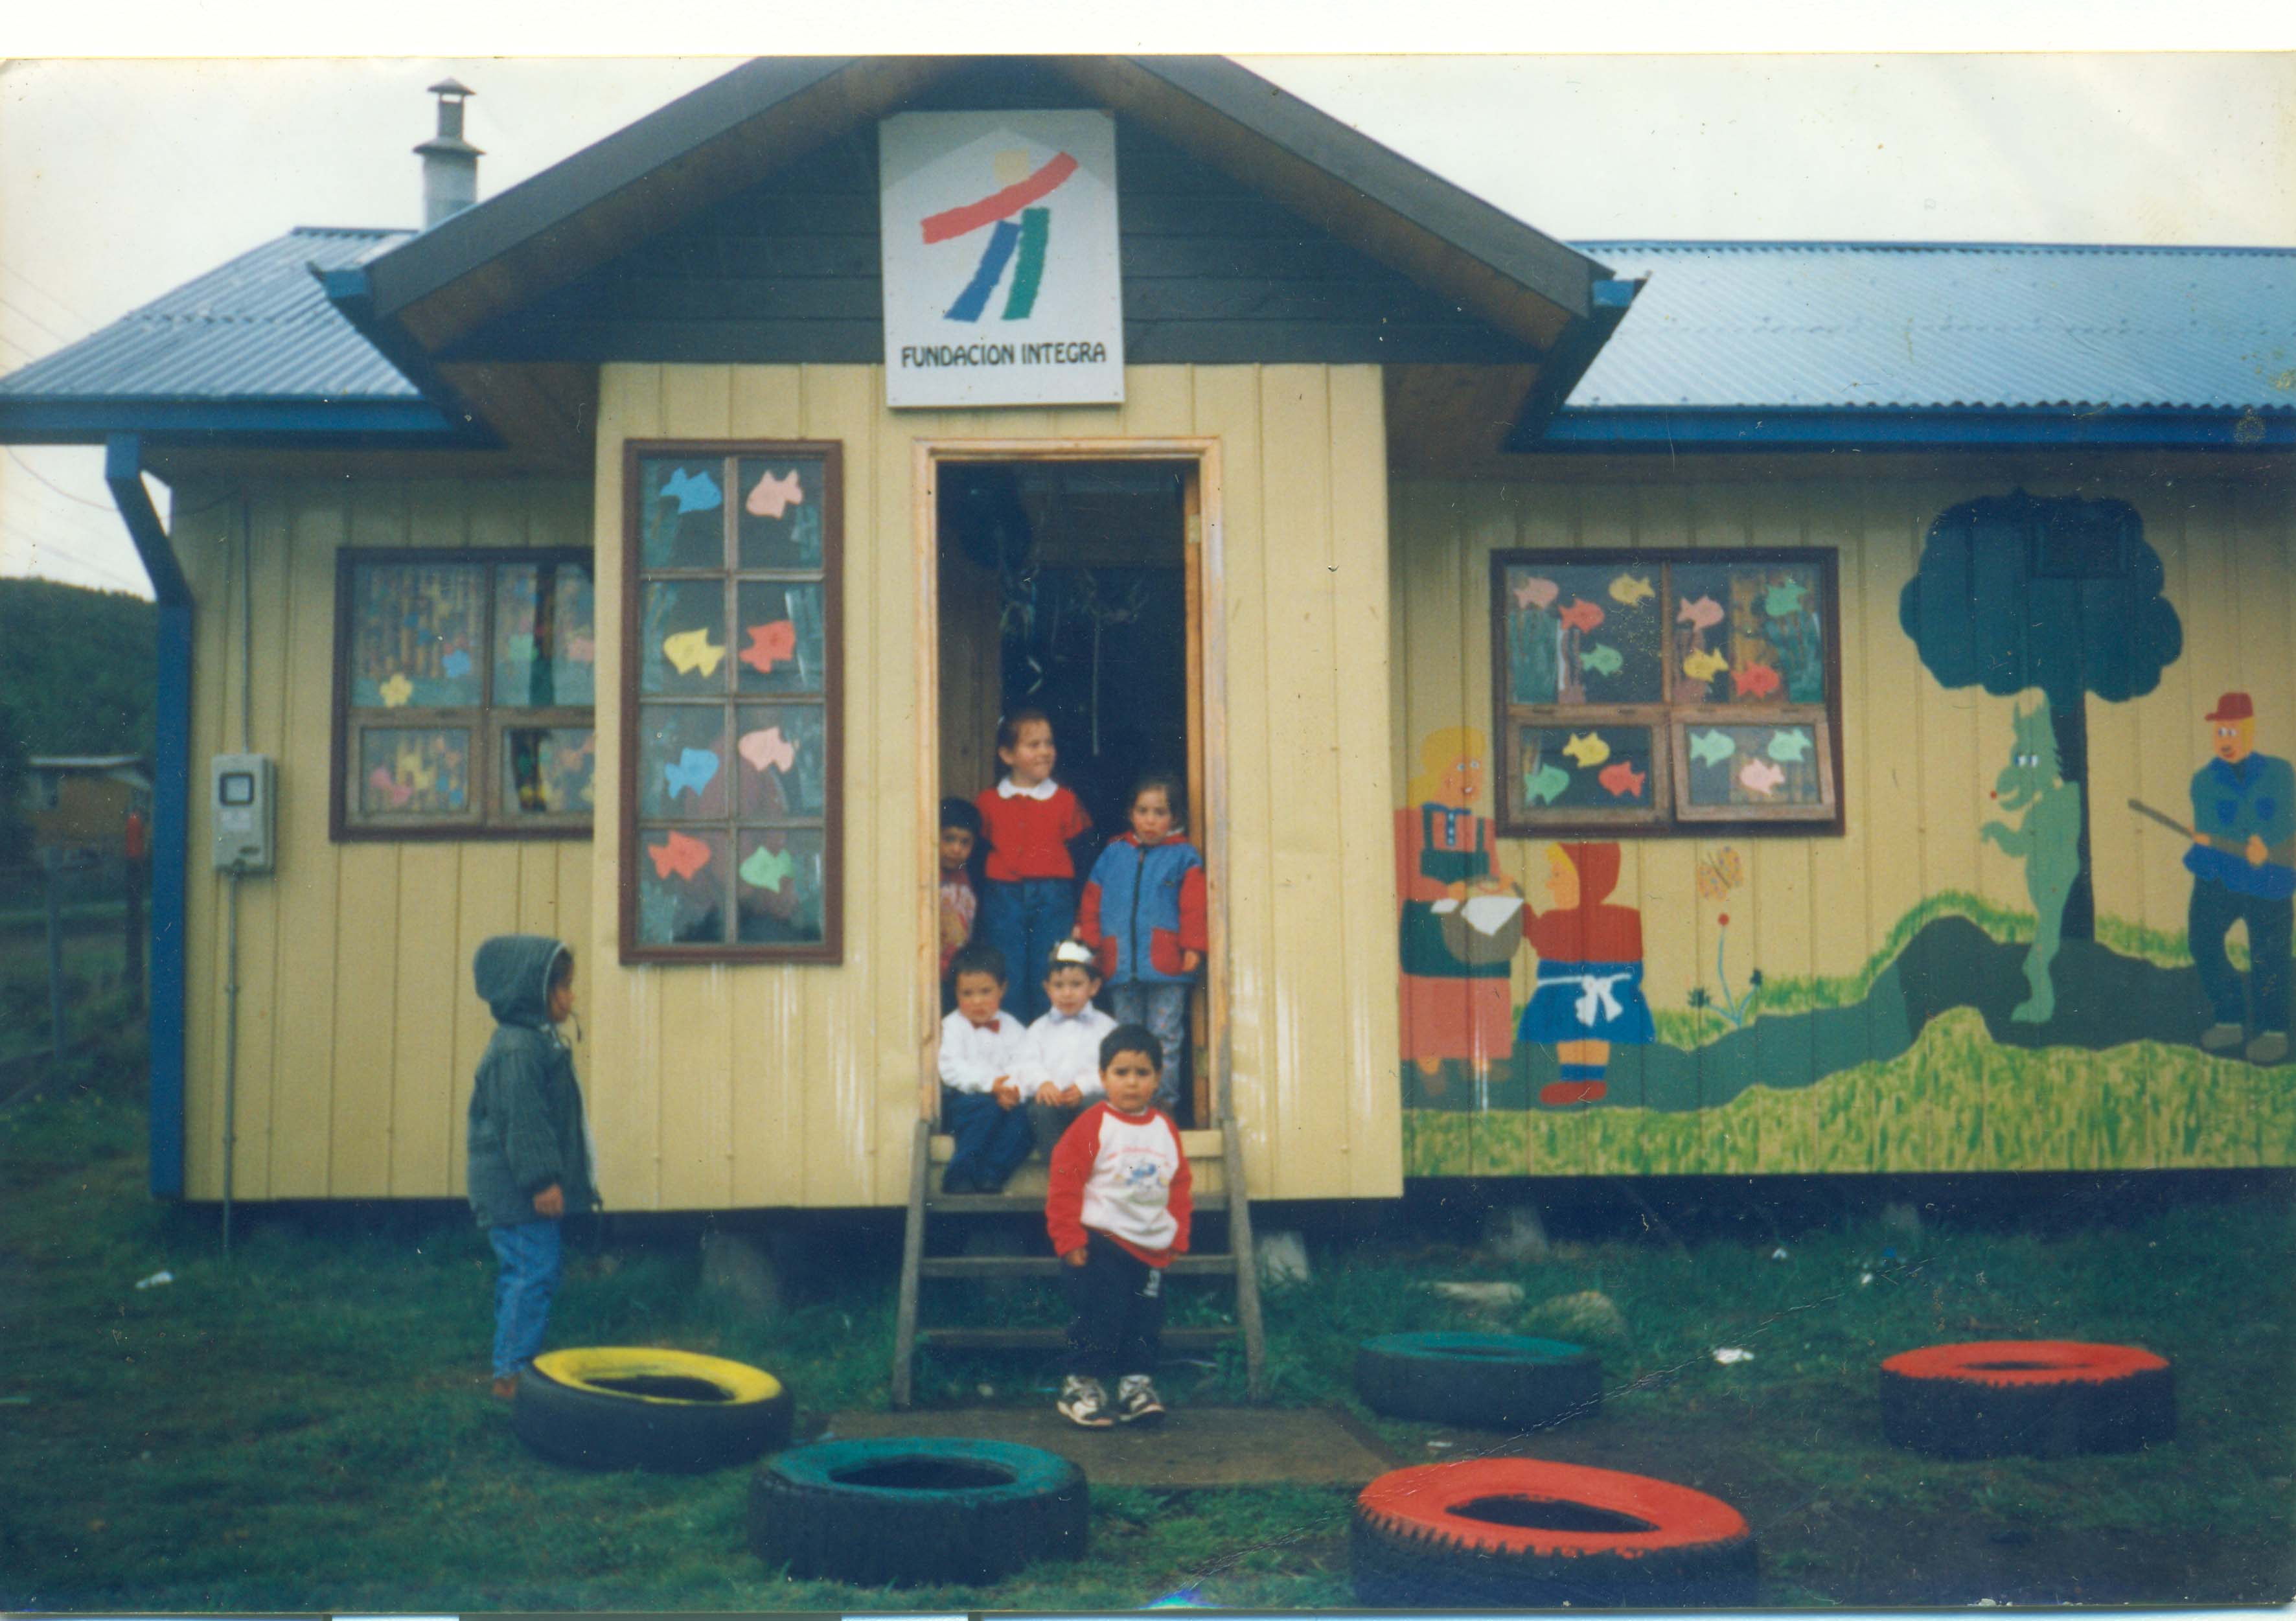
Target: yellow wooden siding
(773, 1086)
(357, 1029)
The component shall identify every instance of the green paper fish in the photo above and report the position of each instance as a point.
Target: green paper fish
(1603, 659)
(1783, 600)
(1711, 747)
(1547, 785)
(1792, 747)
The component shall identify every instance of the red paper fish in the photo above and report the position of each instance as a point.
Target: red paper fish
(1752, 681)
(680, 855)
(770, 644)
(1622, 780)
(1581, 615)
(773, 497)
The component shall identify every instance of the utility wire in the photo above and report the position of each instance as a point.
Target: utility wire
(100, 506)
(8, 303)
(44, 293)
(38, 546)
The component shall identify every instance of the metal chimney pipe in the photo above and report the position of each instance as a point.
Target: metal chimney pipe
(450, 164)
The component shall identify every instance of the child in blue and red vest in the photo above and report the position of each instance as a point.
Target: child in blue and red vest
(1143, 911)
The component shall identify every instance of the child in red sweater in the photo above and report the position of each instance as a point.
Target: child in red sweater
(1028, 897)
(1118, 1212)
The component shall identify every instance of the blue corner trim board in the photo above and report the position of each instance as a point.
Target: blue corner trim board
(1872, 428)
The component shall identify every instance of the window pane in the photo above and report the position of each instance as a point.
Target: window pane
(682, 512)
(547, 771)
(1584, 632)
(1594, 768)
(682, 639)
(780, 521)
(681, 887)
(546, 635)
(782, 643)
(1748, 633)
(682, 761)
(415, 630)
(783, 761)
(409, 771)
(1755, 766)
(779, 888)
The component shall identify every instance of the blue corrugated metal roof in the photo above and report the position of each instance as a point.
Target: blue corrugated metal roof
(1914, 325)
(258, 328)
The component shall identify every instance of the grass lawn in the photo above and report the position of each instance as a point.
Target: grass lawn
(304, 1427)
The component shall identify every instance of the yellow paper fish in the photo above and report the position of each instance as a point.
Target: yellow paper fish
(1629, 590)
(413, 774)
(690, 651)
(1587, 750)
(1705, 666)
(397, 691)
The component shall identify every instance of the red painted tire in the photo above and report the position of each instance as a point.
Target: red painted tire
(1518, 1533)
(1992, 1397)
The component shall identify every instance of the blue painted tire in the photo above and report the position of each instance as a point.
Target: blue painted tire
(908, 1510)
(1491, 1382)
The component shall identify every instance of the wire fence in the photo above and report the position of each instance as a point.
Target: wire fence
(72, 953)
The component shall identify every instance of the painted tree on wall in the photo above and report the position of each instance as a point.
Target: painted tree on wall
(2019, 591)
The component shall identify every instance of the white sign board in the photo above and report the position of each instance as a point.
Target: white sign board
(1001, 280)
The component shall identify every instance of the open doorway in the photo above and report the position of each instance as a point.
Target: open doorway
(1070, 586)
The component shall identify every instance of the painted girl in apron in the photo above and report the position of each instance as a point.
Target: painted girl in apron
(1454, 1007)
(1590, 971)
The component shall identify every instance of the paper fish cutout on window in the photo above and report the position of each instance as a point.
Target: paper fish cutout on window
(519, 648)
(1783, 600)
(1535, 590)
(1603, 659)
(1582, 615)
(767, 747)
(456, 663)
(397, 691)
(582, 650)
(693, 770)
(1701, 615)
(1705, 666)
(679, 854)
(774, 497)
(1790, 746)
(1711, 747)
(1755, 681)
(693, 492)
(690, 651)
(1587, 750)
(390, 787)
(1622, 780)
(1629, 590)
(1547, 785)
(770, 644)
(414, 773)
(1761, 777)
(768, 869)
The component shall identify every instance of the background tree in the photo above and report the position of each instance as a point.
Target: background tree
(77, 667)
(2018, 591)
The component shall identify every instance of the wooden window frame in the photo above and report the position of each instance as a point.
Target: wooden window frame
(1671, 815)
(486, 721)
(830, 453)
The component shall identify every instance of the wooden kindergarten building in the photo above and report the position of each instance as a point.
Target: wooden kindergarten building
(1645, 706)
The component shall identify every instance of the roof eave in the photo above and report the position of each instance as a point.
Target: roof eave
(165, 421)
(1670, 429)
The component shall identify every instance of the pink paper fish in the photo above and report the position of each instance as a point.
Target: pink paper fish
(767, 747)
(774, 497)
(1582, 614)
(1761, 777)
(1755, 681)
(1622, 780)
(390, 787)
(1701, 614)
(1535, 590)
(581, 650)
(686, 857)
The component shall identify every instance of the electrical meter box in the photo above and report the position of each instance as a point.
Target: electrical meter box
(244, 793)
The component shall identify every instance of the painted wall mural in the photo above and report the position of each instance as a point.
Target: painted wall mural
(1976, 1034)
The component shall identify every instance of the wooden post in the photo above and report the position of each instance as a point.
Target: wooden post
(133, 938)
(53, 860)
(913, 1250)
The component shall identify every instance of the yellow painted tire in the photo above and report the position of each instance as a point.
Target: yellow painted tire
(644, 1407)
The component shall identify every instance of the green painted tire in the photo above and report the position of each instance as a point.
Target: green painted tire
(1490, 1382)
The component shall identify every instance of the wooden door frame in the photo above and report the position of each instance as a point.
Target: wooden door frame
(1205, 572)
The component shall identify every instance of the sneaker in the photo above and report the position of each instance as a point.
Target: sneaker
(2268, 1048)
(1083, 1403)
(2221, 1037)
(955, 1181)
(1136, 1401)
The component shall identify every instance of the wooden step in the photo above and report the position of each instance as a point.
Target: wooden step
(1193, 1337)
(1217, 1264)
(1201, 1147)
(1022, 1203)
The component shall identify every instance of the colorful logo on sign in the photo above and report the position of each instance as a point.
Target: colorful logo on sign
(1027, 238)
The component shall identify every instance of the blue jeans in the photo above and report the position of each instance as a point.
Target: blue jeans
(530, 1257)
(1024, 922)
(991, 1141)
(1164, 1010)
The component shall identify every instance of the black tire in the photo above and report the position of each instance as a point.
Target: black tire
(1516, 1532)
(1493, 1381)
(2047, 1398)
(904, 1510)
(614, 1407)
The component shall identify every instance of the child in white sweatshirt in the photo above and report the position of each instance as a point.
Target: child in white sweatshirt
(1060, 1067)
(980, 1049)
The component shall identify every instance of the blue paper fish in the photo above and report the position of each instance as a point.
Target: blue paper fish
(693, 770)
(1789, 746)
(1783, 600)
(1710, 748)
(1547, 785)
(693, 492)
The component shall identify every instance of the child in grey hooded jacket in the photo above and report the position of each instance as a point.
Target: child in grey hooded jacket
(529, 1147)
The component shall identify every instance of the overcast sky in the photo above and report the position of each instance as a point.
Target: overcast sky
(119, 180)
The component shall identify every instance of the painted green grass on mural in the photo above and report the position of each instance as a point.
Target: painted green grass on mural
(1955, 1101)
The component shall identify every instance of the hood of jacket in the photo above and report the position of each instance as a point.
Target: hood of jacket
(512, 973)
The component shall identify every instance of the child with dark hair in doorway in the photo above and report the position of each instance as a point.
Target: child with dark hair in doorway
(981, 1050)
(1143, 911)
(1060, 1067)
(960, 903)
(1028, 898)
(1117, 1210)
